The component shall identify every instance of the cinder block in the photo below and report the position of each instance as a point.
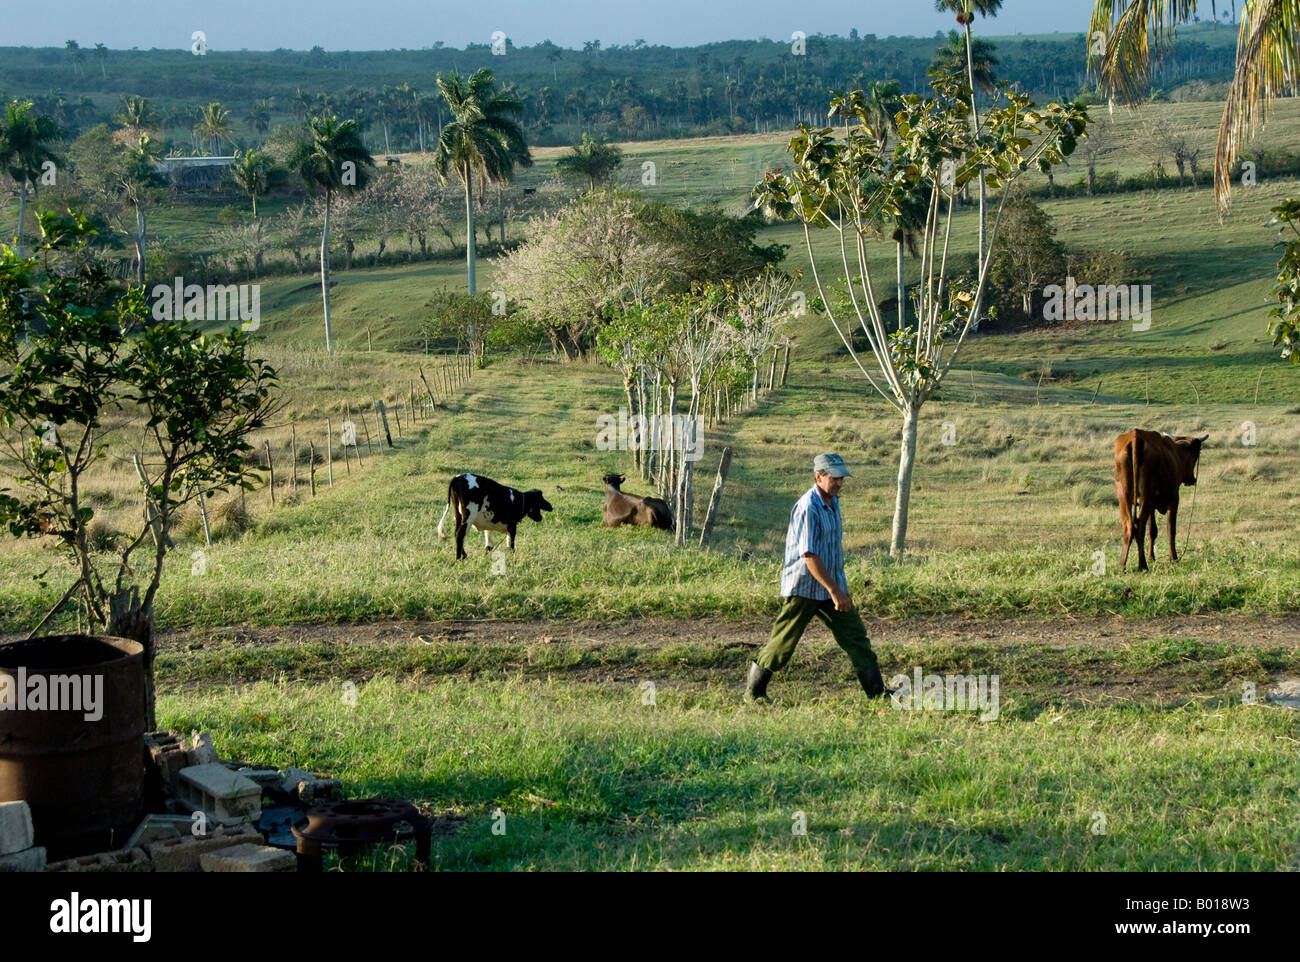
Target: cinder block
(156, 828)
(15, 827)
(319, 790)
(201, 750)
(290, 777)
(183, 854)
(28, 860)
(266, 778)
(228, 796)
(167, 756)
(123, 860)
(249, 858)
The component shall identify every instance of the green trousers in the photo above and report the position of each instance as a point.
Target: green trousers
(846, 627)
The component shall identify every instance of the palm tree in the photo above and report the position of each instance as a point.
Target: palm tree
(965, 11)
(252, 172)
(482, 138)
(1138, 32)
(592, 160)
(977, 63)
(335, 159)
(76, 53)
(215, 125)
(259, 115)
(101, 54)
(884, 101)
(27, 142)
(137, 115)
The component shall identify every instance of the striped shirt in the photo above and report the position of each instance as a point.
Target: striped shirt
(814, 527)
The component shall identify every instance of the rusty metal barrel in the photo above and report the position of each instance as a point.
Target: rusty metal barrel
(72, 720)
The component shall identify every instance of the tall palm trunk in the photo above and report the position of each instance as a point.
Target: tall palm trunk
(902, 290)
(22, 215)
(469, 228)
(325, 271)
(975, 120)
(141, 242)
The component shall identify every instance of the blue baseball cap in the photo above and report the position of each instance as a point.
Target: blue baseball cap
(831, 464)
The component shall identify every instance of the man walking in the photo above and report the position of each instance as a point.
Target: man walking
(813, 585)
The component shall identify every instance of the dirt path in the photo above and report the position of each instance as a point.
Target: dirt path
(1065, 632)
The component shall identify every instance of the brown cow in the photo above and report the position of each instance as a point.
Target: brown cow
(621, 508)
(1149, 468)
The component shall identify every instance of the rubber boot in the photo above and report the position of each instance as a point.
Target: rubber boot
(872, 683)
(756, 685)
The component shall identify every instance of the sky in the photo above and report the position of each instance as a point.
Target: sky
(415, 24)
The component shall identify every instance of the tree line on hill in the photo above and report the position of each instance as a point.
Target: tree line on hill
(631, 92)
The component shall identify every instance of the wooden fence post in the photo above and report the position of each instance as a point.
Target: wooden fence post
(293, 447)
(716, 495)
(382, 422)
(432, 401)
(207, 526)
(397, 413)
(311, 471)
(270, 467)
(329, 449)
(785, 365)
(369, 447)
(771, 371)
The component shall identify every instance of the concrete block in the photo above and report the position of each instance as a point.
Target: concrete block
(266, 778)
(290, 777)
(249, 858)
(167, 756)
(156, 828)
(123, 860)
(228, 796)
(28, 860)
(200, 749)
(183, 854)
(15, 827)
(319, 790)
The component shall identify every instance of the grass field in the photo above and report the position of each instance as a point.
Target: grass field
(548, 756)
(1012, 510)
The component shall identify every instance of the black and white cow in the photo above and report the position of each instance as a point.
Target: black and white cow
(488, 506)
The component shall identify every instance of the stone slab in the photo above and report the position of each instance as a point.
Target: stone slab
(28, 860)
(16, 833)
(249, 858)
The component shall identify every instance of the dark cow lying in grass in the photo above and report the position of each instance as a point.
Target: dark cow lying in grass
(623, 508)
(488, 506)
(1149, 468)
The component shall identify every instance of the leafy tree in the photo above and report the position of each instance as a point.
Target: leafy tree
(74, 346)
(483, 139)
(709, 246)
(1027, 255)
(123, 180)
(333, 160)
(27, 141)
(850, 185)
(1284, 329)
(592, 160)
(468, 318)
